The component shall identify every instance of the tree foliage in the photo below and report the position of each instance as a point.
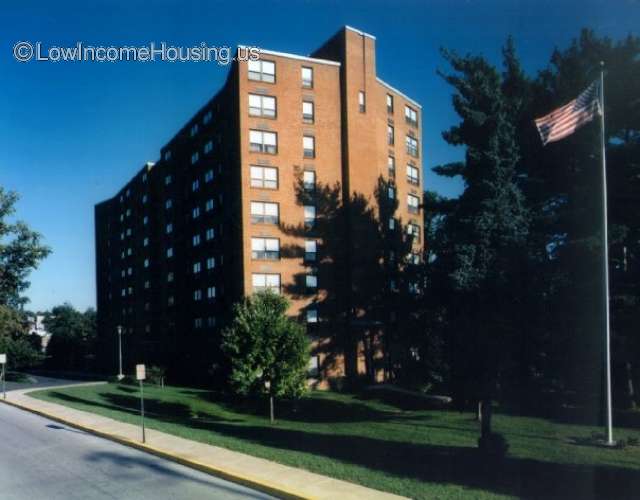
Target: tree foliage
(514, 264)
(263, 344)
(21, 250)
(73, 338)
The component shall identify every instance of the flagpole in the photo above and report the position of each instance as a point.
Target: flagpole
(605, 264)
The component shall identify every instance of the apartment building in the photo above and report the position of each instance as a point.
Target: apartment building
(256, 191)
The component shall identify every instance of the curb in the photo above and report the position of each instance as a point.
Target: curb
(256, 484)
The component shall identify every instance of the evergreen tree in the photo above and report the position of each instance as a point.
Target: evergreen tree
(483, 238)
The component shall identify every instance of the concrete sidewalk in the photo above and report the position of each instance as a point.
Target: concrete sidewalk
(257, 473)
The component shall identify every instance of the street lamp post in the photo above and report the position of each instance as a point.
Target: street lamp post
(3, 362)
(120, 374)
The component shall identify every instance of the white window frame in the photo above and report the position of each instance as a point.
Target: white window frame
(264, 106)
(266, 281)
(262, 70)
(265, 248)
(263, 141)
(263, 177)
(265, 212)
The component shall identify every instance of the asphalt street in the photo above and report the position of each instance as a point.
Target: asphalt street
(41, 459)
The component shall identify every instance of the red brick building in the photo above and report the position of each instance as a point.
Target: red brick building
(264, 188)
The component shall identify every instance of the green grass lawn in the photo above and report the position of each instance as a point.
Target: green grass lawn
(385, 443)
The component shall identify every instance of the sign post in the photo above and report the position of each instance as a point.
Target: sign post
(267, 386)
(140, 376)
(3, 362)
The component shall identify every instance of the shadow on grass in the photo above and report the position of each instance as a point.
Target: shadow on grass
(314, 409)
(463, 466)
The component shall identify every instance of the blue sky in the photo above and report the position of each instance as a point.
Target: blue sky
(71, 134)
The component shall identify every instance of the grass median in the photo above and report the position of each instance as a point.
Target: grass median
(383, 442)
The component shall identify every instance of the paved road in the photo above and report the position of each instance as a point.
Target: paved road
(39, 381)
(41, 459)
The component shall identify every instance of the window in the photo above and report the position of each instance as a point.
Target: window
(147, 284)
(264, 212)
(262, 71)
(311, 280)
(145, 242)
(208, 176)
(211, 262)
(129, 251)
(309, 215)
(265, 248)
(392, 223)
(263, 142)
(129, 231)
(171, 300)
(167, 155)
(312, 315)
(266, 282)
(391, 192)
(309, 180)
(144, 198)
(207, 117)
(414, 230)
(211, 321)
(168, 204)
(195, 185)
(169, 228)
(195, 157)
(195, 213)
(128, 193)
(197, 267)
(210, 234)
(411, 116)
(310, 250)
(170, 277)
(362, 103)
(389, 103)
(169, 252)
(264, 177)
(197, 295)
(211, 292)
(130, 271)
(309, 146)
(412, 146)
(128, 212)
(195, 240)
(145, 220)
(414, 258)
(208, 147)
(390, 135)
(194, 130)
(307, 77)
(413, 202)
(167, 180)
(391, 166)
(307, 112)
(413, 175)
(146, 263)
(262, 105)
(208, 206)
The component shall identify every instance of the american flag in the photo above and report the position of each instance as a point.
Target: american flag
(567, 119)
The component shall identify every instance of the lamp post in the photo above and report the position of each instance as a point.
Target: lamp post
(3, 362)
(120, 374)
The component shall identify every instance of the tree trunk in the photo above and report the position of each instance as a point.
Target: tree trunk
(630, 388)
(485, 409)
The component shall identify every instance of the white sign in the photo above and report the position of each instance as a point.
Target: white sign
(3, 359)
(140, 372)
